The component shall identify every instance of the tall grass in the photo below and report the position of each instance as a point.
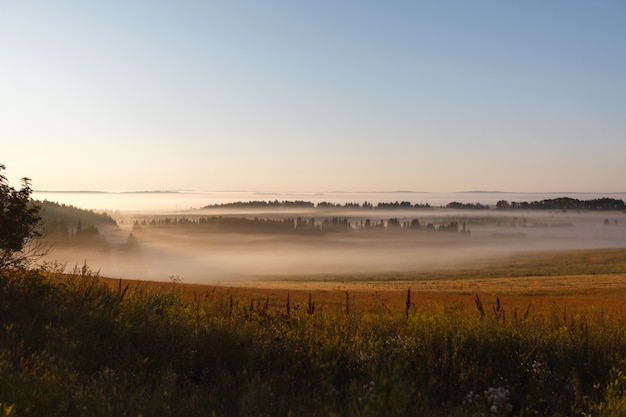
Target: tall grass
(72, 346)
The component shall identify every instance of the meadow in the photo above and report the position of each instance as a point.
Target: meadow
(539, 334)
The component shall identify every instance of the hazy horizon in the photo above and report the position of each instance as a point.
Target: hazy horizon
(425, 96)
(189, 200)
(294, 192)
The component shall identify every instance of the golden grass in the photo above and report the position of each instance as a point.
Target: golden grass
(603, 293)
(549, 281)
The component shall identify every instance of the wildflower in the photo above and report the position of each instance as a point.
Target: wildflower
(368, 392)
(498, 398)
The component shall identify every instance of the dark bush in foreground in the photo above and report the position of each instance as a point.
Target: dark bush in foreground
(71, 346)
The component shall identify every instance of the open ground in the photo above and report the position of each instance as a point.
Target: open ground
(564, 281)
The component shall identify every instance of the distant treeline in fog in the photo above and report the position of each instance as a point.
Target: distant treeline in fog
(297, 225)
(561, 203)
(69, 225)
(70, 215)
(259, 204)
(565, 203)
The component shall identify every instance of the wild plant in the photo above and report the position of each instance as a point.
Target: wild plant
(492, 402)
(407, 304)
(613, 403)
(71, 345)
(7, 410)
(479, 305)
(310, 308)
(498, 312)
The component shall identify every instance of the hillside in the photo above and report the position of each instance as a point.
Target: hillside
(54, 213)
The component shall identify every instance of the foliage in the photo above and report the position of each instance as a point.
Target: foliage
(70, 216)
(256, 204)
(565, 203)
(291, 226)
(614, 404)
(466, 206)
(69, 226)
(19, 220)
(72, 346)
(561, 203)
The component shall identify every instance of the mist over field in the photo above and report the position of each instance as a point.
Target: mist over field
(157, 246)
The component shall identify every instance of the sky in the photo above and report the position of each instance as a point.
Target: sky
(313, 96)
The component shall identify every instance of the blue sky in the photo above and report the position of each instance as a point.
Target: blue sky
(314, 96)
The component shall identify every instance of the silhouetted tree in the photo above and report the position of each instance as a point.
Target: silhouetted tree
(457, 205)
(19, 221)
(503, 204)
(415, 224)
(393, 223)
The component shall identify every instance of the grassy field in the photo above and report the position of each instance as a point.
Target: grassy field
(578, 280)
(535, 335)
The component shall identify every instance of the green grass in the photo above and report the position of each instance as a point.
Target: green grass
(72, 346)
(537, 264)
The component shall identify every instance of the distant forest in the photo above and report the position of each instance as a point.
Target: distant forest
(290, 225)
(259, 204)
(67, 225)
(562, 203)
(565, 203)
(71, 226)
(335, 224)
(70, 215)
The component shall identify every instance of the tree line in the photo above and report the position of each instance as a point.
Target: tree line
(565, 203)
(561, 203)
(294, 225)
(260, 204)
(66, 225)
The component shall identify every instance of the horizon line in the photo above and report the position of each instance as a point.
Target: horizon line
(313, 193)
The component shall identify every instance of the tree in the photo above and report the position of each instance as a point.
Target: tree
(19, 224)
(503, 204)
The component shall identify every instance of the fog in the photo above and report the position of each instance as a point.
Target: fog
(157, 252)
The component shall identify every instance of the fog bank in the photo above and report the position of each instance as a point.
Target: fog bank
(200, 254)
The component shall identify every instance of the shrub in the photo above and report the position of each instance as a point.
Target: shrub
(19, 218)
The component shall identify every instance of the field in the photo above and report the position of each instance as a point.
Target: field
(534, 334)
(331, 312)
(581, 280)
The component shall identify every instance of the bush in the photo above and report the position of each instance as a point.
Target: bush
(19, 220)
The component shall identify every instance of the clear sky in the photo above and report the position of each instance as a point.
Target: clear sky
(314, 95)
